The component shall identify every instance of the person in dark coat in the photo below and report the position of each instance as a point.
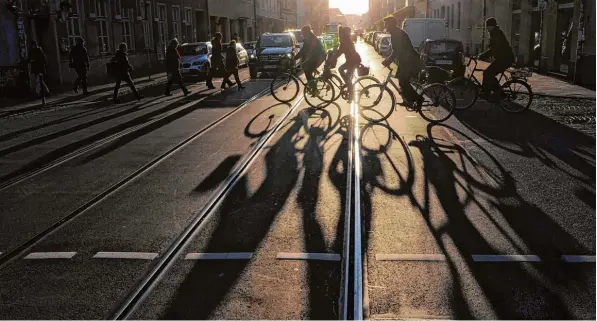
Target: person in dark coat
(312, 52)
(353, 59)
(232, 63)
(38, 62)
(407, 58)
(500, 49)
(172, 68)
(217, 63)
(122, 69)
(79, 60)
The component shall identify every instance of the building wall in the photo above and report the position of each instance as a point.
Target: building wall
(289, 13)
(269, 16)
(300, 13)
(233, 16)
(317, 14)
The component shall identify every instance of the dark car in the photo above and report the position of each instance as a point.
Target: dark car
(270, 50)
(447, 54)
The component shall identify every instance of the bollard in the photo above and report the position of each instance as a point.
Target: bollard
(543, 65)
(571, 70)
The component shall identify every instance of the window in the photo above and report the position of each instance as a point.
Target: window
(117, 7)
(147, 25)
(443, 12)
(448, 17)
(176, 22)
(162, 28)
(73, 24)
(101, 11)
(452, 18)
(127, 38)
(188, 27)
(458, 17)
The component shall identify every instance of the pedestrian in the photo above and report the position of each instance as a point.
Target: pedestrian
(353, 59)
(79, 60)
(407, 58)
(232, 63)
(38, 61)
(217, 63)
(121, 70)
(501, 51)
(235, 37)
(173, 68)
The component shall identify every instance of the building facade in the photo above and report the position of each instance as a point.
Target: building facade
(300, 13)
(317, 14)
(231, 17)
(289, 14)
(269, 16)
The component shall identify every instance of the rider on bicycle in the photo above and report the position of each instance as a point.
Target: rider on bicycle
(312, 53)
(409, 63)
(500, 49)
(353, 59)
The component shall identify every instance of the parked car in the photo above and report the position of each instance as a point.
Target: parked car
(250, 47)
(299, 36)
(374, 38)
(269, 51)
(378, 39)
(447, 54)
(195, 59)
(385, 45)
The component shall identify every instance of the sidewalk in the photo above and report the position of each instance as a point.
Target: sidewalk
(70, 98)
(548, 86)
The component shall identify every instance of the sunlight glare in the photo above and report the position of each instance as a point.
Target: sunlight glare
(350, 6)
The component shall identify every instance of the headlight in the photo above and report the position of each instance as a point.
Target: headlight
(252, 56)
(289, 55)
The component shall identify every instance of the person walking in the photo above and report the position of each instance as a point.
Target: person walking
(122, 69)
(172, 68)
(500, 49)
(232, 63)
(217, 63)
(407, 58)
(38, 61)
(353, 59)
(79, 60)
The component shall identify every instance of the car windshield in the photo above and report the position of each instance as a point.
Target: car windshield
(192, 50)
(250, 45)
(275, 41)
(439, 47)
(385, 41)
(298, 35)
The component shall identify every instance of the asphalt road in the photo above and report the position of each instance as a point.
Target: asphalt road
(478, 217)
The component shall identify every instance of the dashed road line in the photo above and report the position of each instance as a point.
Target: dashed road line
(49, 255)
(126, 255)
(219, 256)
(505, 258)
(309, 256)
(410, 257)
(579, 258)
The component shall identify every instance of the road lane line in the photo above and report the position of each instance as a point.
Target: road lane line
(505, 258)
(220, 256)
(126, 255)
(579, 258)
(410, 257)
(308, 256)
(49, 255)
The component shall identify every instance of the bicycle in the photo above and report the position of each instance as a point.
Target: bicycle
(338, 82)
(516, 92)
(437, 101)
(288, 82)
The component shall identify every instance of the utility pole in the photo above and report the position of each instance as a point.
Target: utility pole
(208, 31)
(483, 22)
(255, 18)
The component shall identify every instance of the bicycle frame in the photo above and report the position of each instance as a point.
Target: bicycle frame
(474, 79)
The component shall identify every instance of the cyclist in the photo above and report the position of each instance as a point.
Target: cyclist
(500, 49)
(409, 63)
(312, 53)
(353, 59)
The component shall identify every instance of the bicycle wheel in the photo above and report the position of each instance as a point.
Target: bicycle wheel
(284, 87)
(364, 81)
(376, 103)
(465, 92)
(438, 103)
(518, 96)
(320, 93)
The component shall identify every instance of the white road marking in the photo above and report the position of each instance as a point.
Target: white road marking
(309, 256)
(410, 257)
(219, 256)
(505, 258)
(579, 258)
(49, 255)
(126, 255)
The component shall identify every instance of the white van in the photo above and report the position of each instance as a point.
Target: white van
(419, 29)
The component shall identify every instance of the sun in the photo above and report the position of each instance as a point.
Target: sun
(351, 6)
